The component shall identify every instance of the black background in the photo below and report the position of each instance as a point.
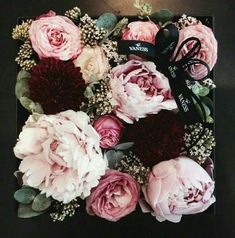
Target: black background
(137, 224)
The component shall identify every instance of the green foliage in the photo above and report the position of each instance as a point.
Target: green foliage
(41, 203)
(107, 21)
(163, 16)
(30, 105)
(26, 211)
(25, 195)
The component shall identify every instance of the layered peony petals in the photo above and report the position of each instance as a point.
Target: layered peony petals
(177, 187)
(67, 161)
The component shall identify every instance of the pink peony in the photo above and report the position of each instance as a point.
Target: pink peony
(109, 129)
(141, 31)
(138, 89)
(208, 52)
(60, 155)
(92, 62)
(115, 197)
(56, 37)
(177, 187)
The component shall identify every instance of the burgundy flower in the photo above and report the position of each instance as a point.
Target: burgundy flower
(157, 137)
(56, 85)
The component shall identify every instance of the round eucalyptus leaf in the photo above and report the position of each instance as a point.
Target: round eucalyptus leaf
(203, 91)
(114, 158)
(107, 21)
(31, 105)
(163, 16)
(124, 146)
(195, 89)
(25, 211)
(25, 195)
(23, 75)
(41, 203)
(21, 88)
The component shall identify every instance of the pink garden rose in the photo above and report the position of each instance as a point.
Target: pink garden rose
(56, 37)
(115, 197)
(138, 89)
(208, 52)
(141, 31)
(60, 155)
(177, 187)
(92, 62)
(109, 129)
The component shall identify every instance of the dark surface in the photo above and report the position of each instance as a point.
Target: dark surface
(136, 224)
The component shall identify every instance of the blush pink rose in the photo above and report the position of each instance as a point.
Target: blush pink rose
(56, 37)
(109, 129)
(60, 155)
(208, 52)
(92, 62)
(138, 89)
(177, 187)
(141, 31)
(115, 197)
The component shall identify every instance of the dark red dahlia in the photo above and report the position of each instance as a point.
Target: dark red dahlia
(56, 85)
(157, 137)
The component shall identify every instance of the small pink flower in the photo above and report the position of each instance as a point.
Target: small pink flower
(208, 52)
(92, 62)
(109, 129)
(177, 187)
(56, 37)
(141, 31)
(138, 89)
(115, 197)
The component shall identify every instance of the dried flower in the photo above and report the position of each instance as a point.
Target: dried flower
(185, 21)
(21, 31)
(111, 50)
(91, 33)
(74, 13)
(199, 142)
(145, 9)
(99, 103)
(132, 165)
(64, 210)
(24, 56)
(208, 83)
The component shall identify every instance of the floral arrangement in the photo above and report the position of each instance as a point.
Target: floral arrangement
(120, 114)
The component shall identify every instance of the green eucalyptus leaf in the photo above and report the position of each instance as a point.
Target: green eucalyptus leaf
(207, 109)
(107, 21)
(110, 154)
(21, 88)
(88, 93)
(124, 146)
(203, 91)
(41, 203)
(163, 16)
(31, 105)
(209, 119)
(207, 101)
(114, 158)
(18, 174)
(25, 195)
(23, 75)
(195, 89)
(25, 211)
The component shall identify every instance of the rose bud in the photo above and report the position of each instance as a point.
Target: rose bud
(110, 129)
